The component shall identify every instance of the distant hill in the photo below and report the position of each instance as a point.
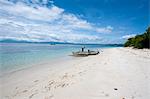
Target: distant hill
(13, 41)
(139, 41)
(53, 43)
(23, 41)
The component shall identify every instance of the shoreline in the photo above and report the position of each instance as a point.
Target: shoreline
(66, 56)
(115, 73)
(34, 65)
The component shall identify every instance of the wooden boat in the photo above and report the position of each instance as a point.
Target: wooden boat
(93, 52)
(80, 53)
(85, 53)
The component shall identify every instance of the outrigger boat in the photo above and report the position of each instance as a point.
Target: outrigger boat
(80, 53)
(85, 53)
(93, 52)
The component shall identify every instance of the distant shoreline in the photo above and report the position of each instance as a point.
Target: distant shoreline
(53, 43)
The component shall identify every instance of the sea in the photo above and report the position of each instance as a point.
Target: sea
(16, 56)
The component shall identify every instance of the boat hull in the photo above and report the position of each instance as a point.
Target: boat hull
(85, 53)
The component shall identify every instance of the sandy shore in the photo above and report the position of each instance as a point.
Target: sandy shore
(116, 73)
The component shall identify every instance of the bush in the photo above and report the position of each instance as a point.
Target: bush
(139, 41)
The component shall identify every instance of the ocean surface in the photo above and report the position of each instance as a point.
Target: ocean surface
(15, 56)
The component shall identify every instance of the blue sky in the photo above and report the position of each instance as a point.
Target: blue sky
(77, 21)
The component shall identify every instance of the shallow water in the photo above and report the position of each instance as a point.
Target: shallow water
(20, 55)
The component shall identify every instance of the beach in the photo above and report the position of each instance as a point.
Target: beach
(115, 73)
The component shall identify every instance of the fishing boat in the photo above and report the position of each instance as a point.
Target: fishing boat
(80, 53)
(93, 52)
(85, 53)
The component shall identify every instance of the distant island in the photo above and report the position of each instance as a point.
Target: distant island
(24, 41)
(139, 41)
(54, 43)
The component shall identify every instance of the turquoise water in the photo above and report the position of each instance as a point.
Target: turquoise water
(19, 55)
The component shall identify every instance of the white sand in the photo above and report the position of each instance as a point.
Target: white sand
(95, 77)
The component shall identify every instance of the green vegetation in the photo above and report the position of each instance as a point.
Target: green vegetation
(139, 41)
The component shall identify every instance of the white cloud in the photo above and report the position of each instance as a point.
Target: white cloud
(128, 36)
(27, 22)
(107, 29)
(38, 13)
(75, 22)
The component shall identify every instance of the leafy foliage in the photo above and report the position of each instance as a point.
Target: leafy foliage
(139, 41)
